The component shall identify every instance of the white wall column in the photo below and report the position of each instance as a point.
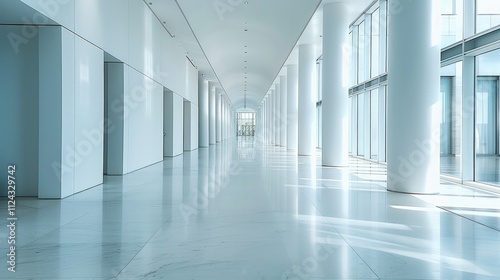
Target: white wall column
(307, 100)
(218, 101)
(283, 112)
(292, 107)
(277, 116)
(271, 117)
(222, 119)
(173, 124)
(335, 80)
(203, 114)
(211, 111)
(224, 135)
(413, 109)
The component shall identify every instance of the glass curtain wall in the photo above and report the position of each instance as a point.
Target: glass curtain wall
(451, 120)
(375, 43)
(470, 103)
(246, 124)
(374, 123)
(487, 14)
(366, 106)
(451, 21)
(487, 161)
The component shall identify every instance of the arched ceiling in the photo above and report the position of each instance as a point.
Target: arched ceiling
(242, 45)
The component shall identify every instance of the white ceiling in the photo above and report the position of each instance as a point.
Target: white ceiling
(220, 35)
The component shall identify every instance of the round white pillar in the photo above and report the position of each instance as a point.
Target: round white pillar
(212, 115)
(218, 116)
(203, 112)
(224, 121)
(291, 108)
(277, 117)
(335, 132)
(307, 100)
(271, 115)
(413, 108)
(283, 113)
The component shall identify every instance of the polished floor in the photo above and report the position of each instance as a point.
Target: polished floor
(247, 210)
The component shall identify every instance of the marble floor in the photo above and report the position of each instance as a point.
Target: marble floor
(247, 210)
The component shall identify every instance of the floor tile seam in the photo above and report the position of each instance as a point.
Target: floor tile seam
(467, 218)
(50, 232)
(138, 252)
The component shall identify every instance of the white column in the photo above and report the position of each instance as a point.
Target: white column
(223, 119)
(413, 109)
(226, 119)
(212, 115)
(218, 122)
(264, 119)
(277, 117)
(203, 113)
(291, 108)
(335, 80)
(271, 116)
(283, 112)
(307, 102)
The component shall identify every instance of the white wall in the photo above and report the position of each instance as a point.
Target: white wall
(57, 161)
(143, 121)
(71, 116)
(19, 112)
(191, 83)
(190, 126)
(71, 113)
(135, 120)
(128, 30)
(89, 114)
(173, 124)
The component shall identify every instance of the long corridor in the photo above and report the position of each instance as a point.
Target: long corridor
(248, 210)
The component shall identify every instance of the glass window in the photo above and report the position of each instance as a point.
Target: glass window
(487, 164)
(451, 22)
(375, 43)
(354, 54)
(361, 124)
(451, 120)
(246, 124)
(353, 143)
(361, 53)
(374, 115)
(487, 14)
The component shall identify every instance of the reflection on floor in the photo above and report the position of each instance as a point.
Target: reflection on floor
(487, 168)
(450, 165)
(248, 210)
